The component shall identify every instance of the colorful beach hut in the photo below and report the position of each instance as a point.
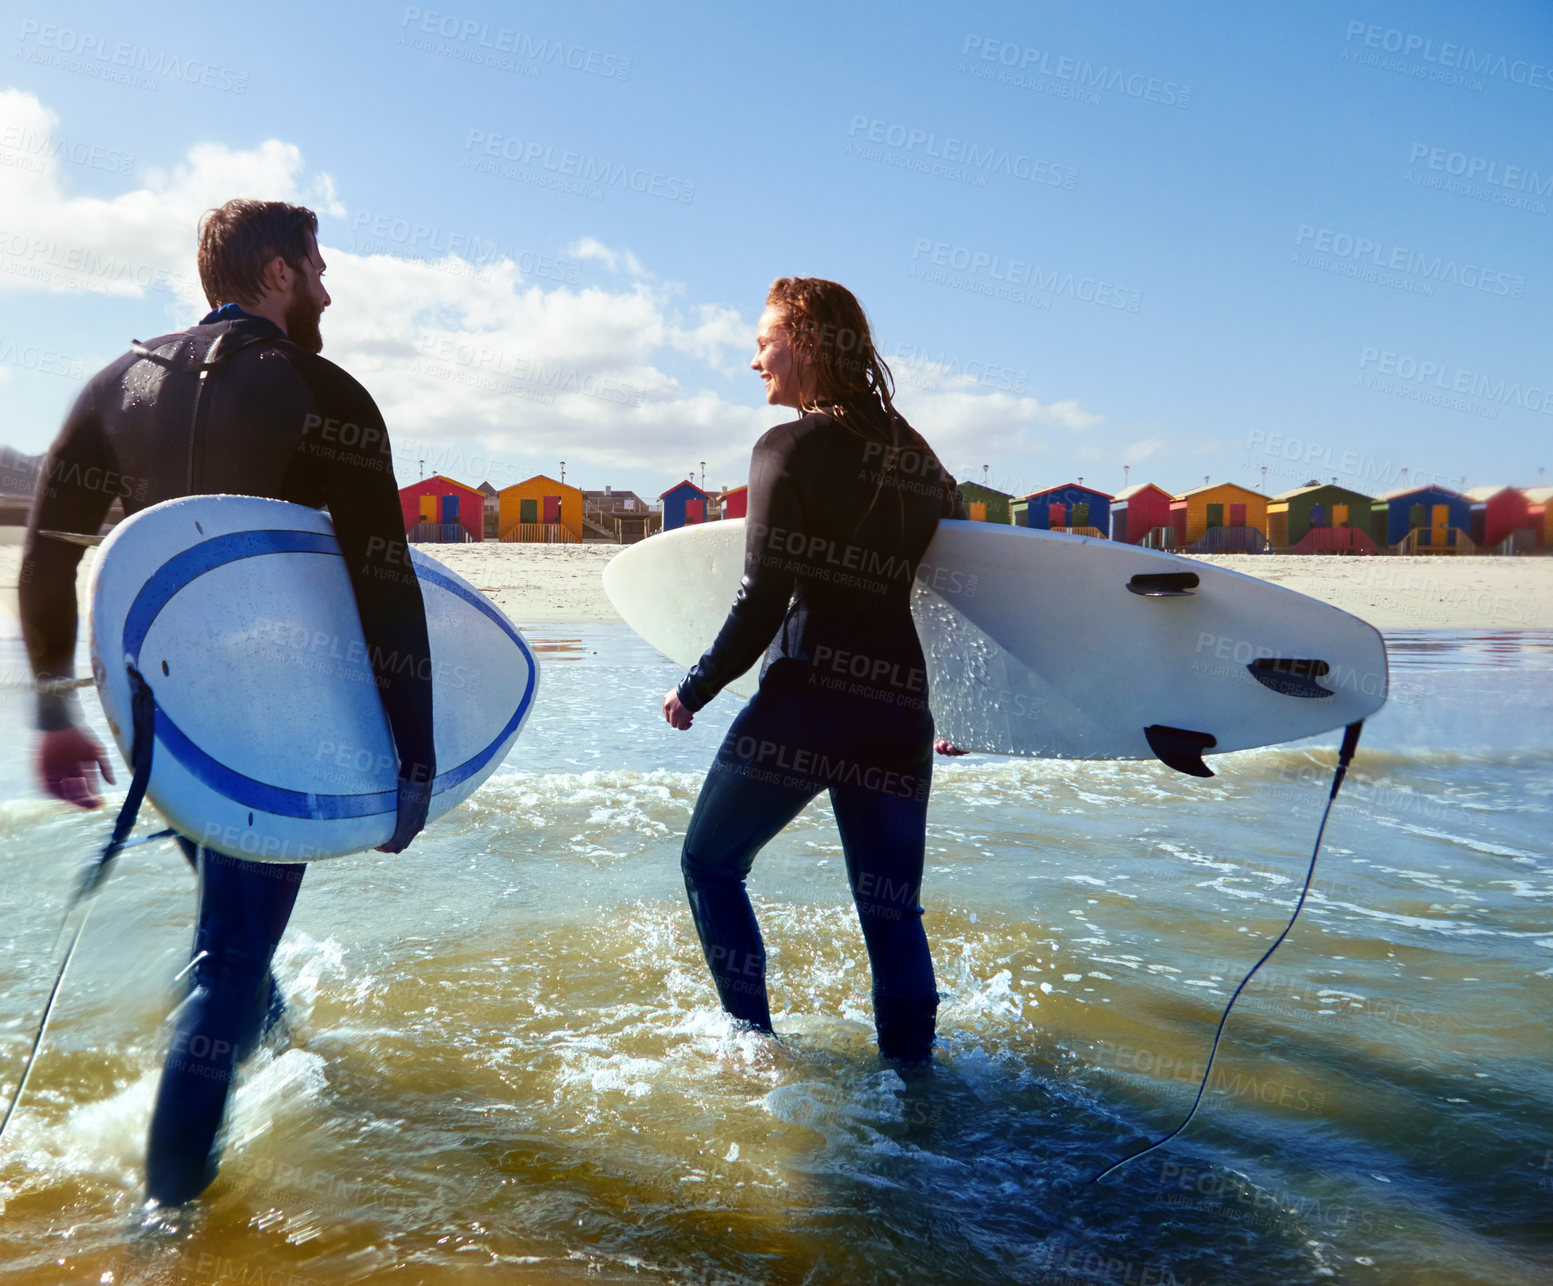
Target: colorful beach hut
(986, 504)
(1221, 517)
(1320, 518)
(540, 510)
(1140, 515)
(437, 509)
(1071, 507)
(1539, 502)
(1497, 514)
(683, 505)
(736, 501)
(1422, 520)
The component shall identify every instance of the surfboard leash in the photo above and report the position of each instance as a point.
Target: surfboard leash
(143, 712)
(1344, 758)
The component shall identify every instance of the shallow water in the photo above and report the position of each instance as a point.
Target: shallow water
(505, 1060)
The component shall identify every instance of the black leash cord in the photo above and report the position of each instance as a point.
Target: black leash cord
(143, 709)
(1344, 758)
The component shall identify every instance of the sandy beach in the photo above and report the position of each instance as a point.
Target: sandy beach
(544, 583)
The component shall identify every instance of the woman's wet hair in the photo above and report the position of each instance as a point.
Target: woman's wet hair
(830, 332)
(240, 237)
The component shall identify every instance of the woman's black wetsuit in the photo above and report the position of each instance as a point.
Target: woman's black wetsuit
(837, 526)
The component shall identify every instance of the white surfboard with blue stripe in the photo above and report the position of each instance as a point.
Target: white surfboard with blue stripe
(271, 741)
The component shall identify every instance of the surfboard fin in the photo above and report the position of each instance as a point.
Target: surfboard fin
(1163, 584)
(1181, 748)
(1291, 676)
(73, 538)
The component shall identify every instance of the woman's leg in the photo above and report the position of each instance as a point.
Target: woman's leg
(883, 833)
(744, 802)
(243, 909)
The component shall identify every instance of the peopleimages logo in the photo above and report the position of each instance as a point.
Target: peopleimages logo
(1444, 54)
(988, 158)
(1017, 274)
(1518, 178)
(1347, 247)
(1439, 374)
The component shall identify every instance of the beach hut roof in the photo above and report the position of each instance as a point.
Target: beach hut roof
(1214, 486)
(1397, 492)
(540, 477)
(486, 489)
(1485, 493)
(1127, 493)
(1539, 495)
(1319, 486)
(680, 485)
(437, 477)
(1063, 486)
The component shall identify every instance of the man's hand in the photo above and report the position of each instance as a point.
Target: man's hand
(674, 710)
(414, 800)
(946, 747)
(68, 762)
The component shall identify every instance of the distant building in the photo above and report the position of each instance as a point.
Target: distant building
(440, 510)
(1071, 507)
(735, 501)
(1497, 514)
(1140, 515)
(540, 510)
(492, 510)
(684, 504)
(619, 516)
(1223, 517)
(1320, 518)
(1422, 520)
(984, 504)
(1539, 502)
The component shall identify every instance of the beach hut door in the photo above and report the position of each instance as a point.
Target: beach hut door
(1237, 515)
(552, 509)
(528, 510)
(695, 511)
(1215, 515)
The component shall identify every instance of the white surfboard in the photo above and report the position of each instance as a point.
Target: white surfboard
(1052, 645)
(271, 741)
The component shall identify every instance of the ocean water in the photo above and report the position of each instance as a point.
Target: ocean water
(504, 1059)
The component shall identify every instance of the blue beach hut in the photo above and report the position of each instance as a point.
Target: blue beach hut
(1070, 507)
(683, 505)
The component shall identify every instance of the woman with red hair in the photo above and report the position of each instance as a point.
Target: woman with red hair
(843, 501)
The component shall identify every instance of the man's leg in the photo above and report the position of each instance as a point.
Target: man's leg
(883, 835)
(275, 1009)
(243, 909)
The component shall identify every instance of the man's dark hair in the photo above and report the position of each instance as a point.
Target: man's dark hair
(240, 237)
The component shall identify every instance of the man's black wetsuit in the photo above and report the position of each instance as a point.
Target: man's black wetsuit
(229, 406)
(837, 526)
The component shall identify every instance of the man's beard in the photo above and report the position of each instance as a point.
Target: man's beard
(302, 316)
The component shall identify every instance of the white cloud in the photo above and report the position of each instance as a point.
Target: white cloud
(461, 355)
(125, 245)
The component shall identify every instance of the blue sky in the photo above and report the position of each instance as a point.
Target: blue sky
(1189, 239)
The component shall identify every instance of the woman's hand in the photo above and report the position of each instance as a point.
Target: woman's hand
(946, 747)
(674, 710)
